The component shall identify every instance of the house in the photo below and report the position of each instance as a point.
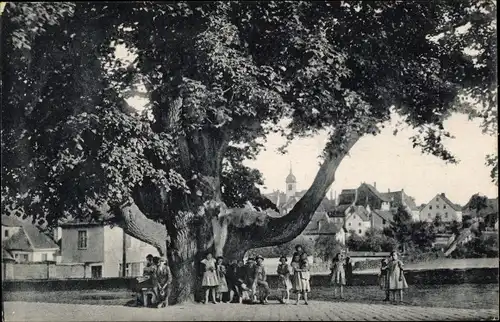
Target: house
(102, 248)
(381, 218)
(401, 199)
(442, 206)
(358, 219)
(29, 244)
(323, 225)
(368, 195)
(10, 226)
(484, 207)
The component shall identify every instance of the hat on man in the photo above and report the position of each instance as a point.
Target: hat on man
(258, 256)
(250, 259)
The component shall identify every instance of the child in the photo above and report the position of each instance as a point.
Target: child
(338, 274)
(284, 283)
(221, 275)
(301, 278)
(396, 279)
(164, 282)
(210, 281)
(261, 280)
(383, 279)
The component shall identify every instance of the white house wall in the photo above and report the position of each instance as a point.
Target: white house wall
(438, 206)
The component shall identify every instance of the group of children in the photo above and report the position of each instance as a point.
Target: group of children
(247, 282)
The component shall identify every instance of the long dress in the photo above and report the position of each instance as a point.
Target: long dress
(284, 283)
(338, 273)
(210, 275)
(305, 276)
(221, 275)
(396, 279)
(296, 283)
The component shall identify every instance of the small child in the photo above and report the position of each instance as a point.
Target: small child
(221, 275)
(304, 277)
(338, 275)
(395, 276)
(383, 279)
(284, 283)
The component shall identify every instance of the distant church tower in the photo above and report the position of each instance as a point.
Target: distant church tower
(291, 184)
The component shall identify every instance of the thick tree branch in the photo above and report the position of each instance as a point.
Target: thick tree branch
(285, 228)
(136, 224)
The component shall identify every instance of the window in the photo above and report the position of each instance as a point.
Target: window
(359, 224)
(290, 187)
(16, 256)
(44, 257)
(444, 206)
(82, 239)
(437, 206)
(430, 207)
(445, 215)
(96, 271)
(6, 233)
(24, 257)
(349, 224)
(383, 222)
(359, 231)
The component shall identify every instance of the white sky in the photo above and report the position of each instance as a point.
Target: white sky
(391, 162)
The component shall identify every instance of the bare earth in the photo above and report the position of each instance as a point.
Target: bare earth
(316, 310)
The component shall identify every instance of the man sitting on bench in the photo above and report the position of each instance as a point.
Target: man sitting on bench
(145, 283)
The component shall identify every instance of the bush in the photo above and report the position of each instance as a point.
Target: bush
(479, 247)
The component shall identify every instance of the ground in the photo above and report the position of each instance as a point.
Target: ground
(465, 296)
(315, 311)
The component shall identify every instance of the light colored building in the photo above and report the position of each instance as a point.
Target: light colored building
(442, 206)
(28, 244)
(101, 248)
(358, 219)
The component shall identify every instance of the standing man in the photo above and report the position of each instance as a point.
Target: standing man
(164, 282)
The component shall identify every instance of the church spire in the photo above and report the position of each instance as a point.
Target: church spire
(290, 166)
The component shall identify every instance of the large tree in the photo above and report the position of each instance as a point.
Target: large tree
(219, 76)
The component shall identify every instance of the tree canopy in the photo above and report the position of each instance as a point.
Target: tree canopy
(219, 76)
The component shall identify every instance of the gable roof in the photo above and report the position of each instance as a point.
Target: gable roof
(11, 221)
(384, 214)
(327, 226)
(347, 196)
(375, 192)
(29, 238)
(400, 197)
(451, 204)
(361, 212)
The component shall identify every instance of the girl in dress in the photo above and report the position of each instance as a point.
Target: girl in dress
(383, 279)
(396, 279)
(221, 275)
(210, 281)
(284, 284)
(301, 278)
(338, 274)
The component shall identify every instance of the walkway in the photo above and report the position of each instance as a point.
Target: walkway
(315, 311)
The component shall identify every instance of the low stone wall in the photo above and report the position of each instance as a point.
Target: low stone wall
(416, 277)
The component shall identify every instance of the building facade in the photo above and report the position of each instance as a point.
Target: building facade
(101, 248)
(441, 206)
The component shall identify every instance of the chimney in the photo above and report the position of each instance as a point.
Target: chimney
(443, 195)
(388, 190)
(375, 185)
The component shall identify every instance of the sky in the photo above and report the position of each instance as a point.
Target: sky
(390, 162)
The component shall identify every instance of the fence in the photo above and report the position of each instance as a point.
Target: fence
(48, 270)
